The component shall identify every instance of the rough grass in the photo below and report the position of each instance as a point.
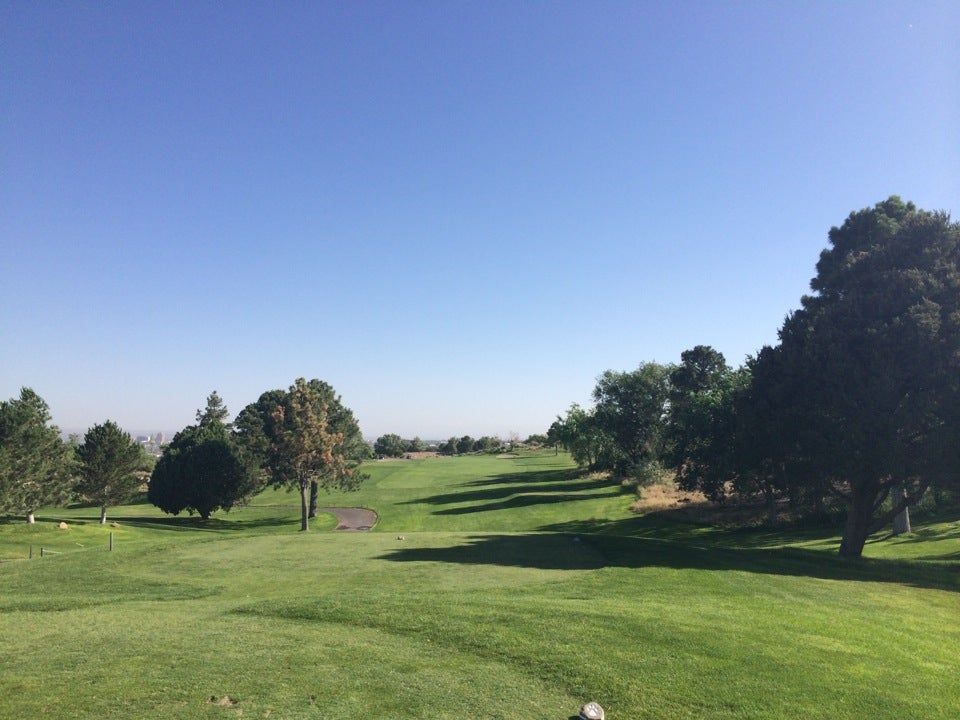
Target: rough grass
(553, 594)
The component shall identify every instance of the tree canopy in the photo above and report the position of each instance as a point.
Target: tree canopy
(108, 460)
(700, 430)
(872, 362)
(859, 401)
(390, 445)
(203, 469)
(581, 435)
(215, 410)
(630, 407)
(304, 438)
(35, 463)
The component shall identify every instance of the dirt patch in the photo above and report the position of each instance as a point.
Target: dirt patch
(355, 519)
(506, 456)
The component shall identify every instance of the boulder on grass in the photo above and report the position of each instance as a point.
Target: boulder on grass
(591, 711)
(63, 526)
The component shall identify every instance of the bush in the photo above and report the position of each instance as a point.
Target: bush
(644, 474)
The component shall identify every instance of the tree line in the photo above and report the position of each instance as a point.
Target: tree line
(392, 445)
(858, 405)
(38, 468)
(302, 438)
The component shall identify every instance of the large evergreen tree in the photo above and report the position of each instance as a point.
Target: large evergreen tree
(35, 463)
(701, 433)
(215, 410)
(108, 464)
(203, 469)
(869, 367)
(694, 397)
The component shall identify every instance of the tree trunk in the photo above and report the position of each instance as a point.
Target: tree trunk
(314, 492)
(901, 521)
(30, 518)
(859, 513)
(771, 499)
(304, 505)
(819, 510)
(103, 514)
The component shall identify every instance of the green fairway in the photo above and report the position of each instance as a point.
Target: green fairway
(519, 588)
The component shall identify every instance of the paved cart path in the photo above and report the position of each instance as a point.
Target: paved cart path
(350, 518)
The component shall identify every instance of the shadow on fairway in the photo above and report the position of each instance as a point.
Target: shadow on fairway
(195, 523)
(508, 491)
(548, 551)
(675, 525)
(531, 478)
(524, 500)
(542, 551)
(924, 535)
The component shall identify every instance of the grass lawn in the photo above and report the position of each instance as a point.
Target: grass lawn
(520, 589)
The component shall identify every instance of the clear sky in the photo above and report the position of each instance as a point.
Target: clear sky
(458, 214)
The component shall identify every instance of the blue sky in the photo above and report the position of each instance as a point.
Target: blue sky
(456, 213)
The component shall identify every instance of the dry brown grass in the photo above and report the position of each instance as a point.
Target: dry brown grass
(666, 496)
(694, 507)
(410, 456)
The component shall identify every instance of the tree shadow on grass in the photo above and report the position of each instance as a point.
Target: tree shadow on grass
(549, 551)
(529, 478)
(925, 535)
(502, 492)
(523, 500)
(214, 524)
(676, 525)
(679, 525)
